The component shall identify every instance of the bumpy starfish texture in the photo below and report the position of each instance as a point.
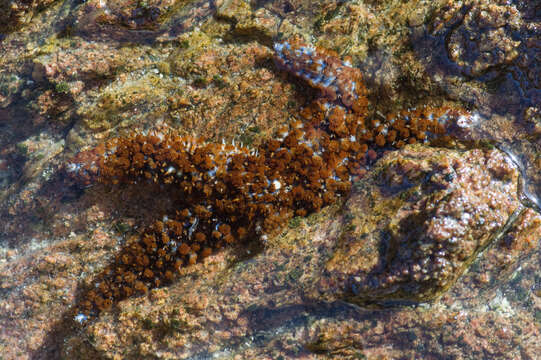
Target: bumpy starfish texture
(232, 193)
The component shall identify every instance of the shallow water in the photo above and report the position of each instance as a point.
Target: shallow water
(87, 71)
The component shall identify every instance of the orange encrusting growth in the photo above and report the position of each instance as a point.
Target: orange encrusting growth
(231, 193)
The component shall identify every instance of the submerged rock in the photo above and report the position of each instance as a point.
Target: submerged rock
(94, 69)
(9, 87)
(419, 220)
(484, 38)
(429, 210)
(17, 13)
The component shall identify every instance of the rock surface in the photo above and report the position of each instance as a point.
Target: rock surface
(289, 299)
(18, 13)
(419, 220)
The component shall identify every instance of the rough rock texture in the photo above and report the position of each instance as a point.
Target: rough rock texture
(486, 53)
(484, 38)
(289, 299)
(419, 219)
(18, 13)
(9, 85)
(73, 73)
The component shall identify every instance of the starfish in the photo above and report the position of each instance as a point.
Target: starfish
(233, 194)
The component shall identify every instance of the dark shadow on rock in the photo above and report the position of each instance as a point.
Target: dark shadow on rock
(265, 321)
(66, 327)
